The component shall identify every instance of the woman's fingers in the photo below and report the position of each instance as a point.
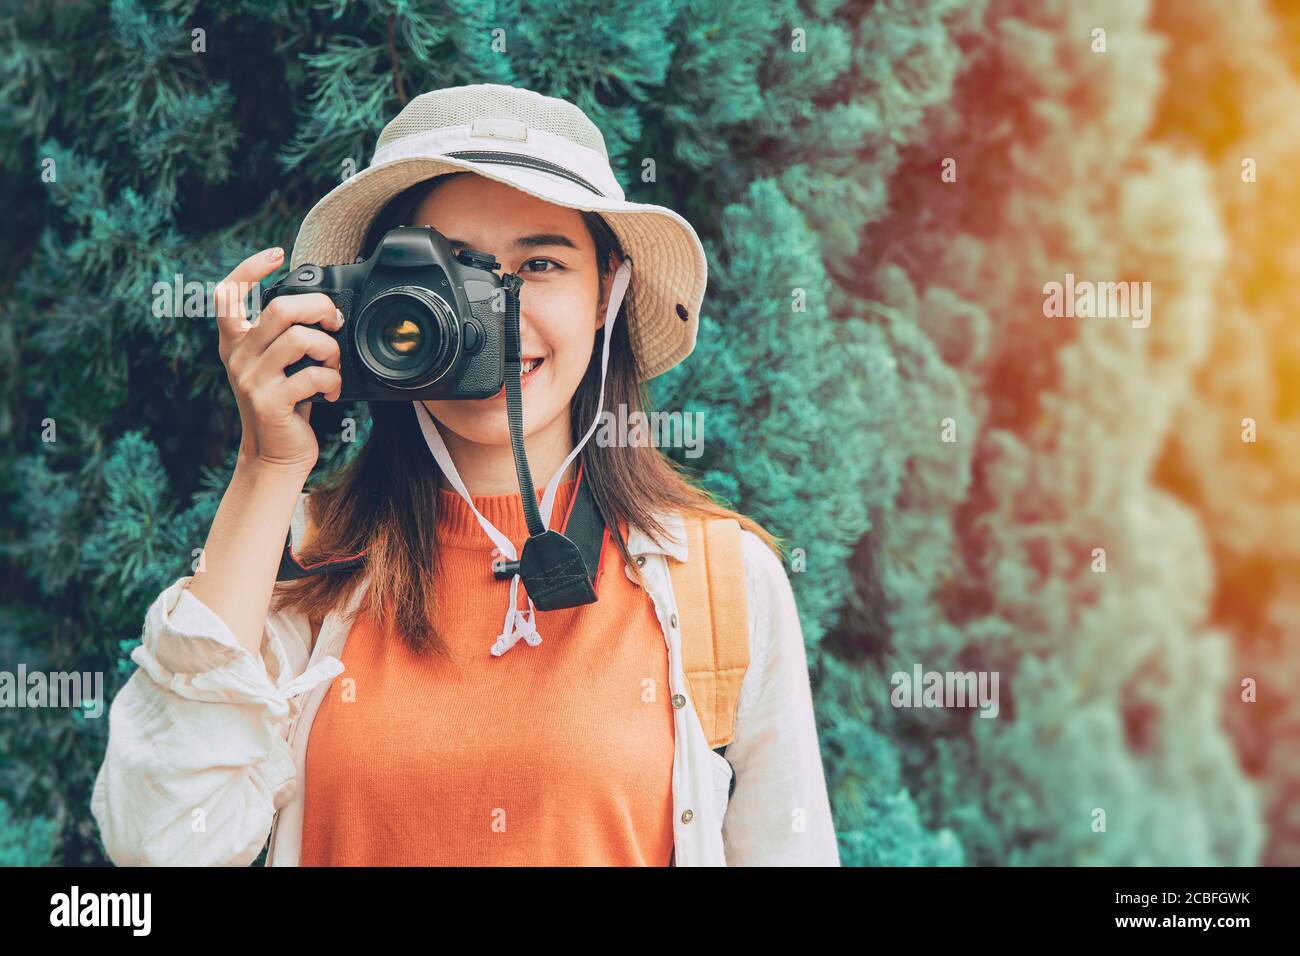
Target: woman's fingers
(304, 383)
(305, 308)
(230, 293)
(294, 343)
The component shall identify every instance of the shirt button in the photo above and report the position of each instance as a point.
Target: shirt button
(679, 701)
(673, 620)
(687, 815)
(640, 560)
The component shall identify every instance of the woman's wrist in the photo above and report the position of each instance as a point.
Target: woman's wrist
(254, 470)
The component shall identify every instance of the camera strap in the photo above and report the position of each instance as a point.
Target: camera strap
(557, 570)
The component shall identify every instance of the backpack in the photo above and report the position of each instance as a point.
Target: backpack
(710, 591)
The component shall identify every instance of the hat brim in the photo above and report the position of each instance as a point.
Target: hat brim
(669, 268)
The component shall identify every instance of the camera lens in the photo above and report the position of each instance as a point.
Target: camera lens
(407, 337)
(400, 335)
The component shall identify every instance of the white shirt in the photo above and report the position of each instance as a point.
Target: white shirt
(207, 745)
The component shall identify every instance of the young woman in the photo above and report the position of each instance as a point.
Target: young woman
(438, 735)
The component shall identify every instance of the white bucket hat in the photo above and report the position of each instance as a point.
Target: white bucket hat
(548, 148)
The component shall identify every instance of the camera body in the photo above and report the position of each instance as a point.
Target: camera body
(421, 323)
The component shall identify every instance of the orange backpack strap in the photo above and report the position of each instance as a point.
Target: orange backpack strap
(710, 591)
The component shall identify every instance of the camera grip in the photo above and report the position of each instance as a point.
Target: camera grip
(305, 362)
(342, 299)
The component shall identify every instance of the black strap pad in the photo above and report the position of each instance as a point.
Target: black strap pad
(553, 570)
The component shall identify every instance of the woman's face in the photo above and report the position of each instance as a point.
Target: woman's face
(561, 303)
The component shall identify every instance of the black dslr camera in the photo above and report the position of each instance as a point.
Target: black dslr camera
(422, 322)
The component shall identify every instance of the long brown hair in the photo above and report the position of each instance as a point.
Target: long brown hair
(385, 500)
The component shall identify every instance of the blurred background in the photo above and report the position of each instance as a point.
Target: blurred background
(1106, 515)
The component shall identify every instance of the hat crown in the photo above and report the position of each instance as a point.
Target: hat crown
(462, 105)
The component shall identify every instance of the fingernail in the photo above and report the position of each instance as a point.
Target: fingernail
(245, 324)
(276, 254)
(339, 315)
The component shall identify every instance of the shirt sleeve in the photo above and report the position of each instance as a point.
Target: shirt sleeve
(198, 759)
(779, 814)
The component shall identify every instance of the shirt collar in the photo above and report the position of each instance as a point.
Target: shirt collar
(672, 544)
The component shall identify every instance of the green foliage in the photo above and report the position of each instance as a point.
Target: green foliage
(855, 302)
(28, 842)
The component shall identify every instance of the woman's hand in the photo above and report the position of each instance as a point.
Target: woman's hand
(273, 407)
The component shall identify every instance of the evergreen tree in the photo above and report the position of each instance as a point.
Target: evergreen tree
(883, 188)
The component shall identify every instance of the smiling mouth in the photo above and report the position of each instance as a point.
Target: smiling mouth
(527, 368)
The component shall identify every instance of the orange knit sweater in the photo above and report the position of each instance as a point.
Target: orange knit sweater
(554, 755)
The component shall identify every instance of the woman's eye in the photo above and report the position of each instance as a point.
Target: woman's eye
(544, 271)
